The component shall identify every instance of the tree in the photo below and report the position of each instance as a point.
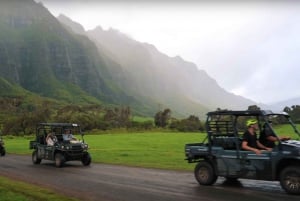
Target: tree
(161, 118)
(295, 113)
(190, 124)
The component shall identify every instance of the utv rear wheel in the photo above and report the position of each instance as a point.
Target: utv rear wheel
(59, 160)
(290, 179)
(205, 174)
(35, 158)
(86, 159)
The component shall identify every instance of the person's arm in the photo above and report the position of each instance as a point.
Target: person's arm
(284, 138)
(248, 148)
(260, 145)
(272, 138)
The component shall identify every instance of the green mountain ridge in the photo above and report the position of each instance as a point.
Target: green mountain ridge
(55, 58)
(166, 78)
(40, 55)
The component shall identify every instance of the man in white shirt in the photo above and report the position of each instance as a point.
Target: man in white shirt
(68, 136)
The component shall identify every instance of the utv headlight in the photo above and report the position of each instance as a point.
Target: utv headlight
(84, 146)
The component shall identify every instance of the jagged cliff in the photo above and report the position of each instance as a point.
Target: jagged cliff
(60, 60)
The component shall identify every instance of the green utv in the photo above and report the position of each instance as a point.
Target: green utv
(53, 143)
(220, 153)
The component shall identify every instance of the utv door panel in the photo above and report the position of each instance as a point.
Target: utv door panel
(258, 166)
(228, 163)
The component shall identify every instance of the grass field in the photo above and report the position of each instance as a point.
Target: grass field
(18, 191)
(156, 150)
(148, 149)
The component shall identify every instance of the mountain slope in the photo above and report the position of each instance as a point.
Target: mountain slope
(154, 77)
(165, 78)
(41, 56)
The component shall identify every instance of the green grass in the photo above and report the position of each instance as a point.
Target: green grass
(286, 130)
(19, 191)
(163, 150)
(18, 145)
(155, 150)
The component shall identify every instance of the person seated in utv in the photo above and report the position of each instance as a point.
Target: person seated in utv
(51, 139)
(268, 138)
(68, 136)
(250, 141)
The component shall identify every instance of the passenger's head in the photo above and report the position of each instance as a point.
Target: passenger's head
(251, 123)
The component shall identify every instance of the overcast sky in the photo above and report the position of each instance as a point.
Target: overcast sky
(251, 48)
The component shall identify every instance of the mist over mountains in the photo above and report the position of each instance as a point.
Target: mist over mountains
(56, 58)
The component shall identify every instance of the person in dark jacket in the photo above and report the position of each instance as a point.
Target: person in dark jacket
(268, 138)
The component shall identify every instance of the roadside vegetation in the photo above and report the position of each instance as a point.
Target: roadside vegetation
(11, 190)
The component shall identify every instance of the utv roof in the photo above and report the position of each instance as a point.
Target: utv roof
(59, 124)
(245, 113)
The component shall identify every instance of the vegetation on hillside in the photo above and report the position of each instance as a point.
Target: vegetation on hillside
(19, 115)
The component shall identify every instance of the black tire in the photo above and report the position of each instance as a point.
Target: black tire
(205, 174)
(35, 158)
(3, 152)
(59, 160)
(86, 159)
(290, 179)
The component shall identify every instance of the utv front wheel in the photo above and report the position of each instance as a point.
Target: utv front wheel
(290, 179)
(205, 174)
(35, 158)
(86, 159)
(3, 152)
(59, 160)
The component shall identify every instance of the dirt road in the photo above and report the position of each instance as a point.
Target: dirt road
(103, 182)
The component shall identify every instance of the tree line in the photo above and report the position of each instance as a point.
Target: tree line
(19, 119)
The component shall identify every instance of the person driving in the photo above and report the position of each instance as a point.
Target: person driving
(267, 136)
(68, 136)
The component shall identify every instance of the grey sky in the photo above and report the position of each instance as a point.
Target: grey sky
(250, 48)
